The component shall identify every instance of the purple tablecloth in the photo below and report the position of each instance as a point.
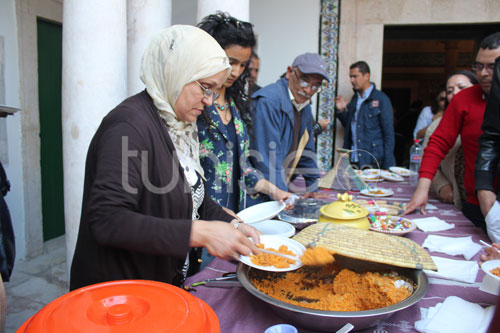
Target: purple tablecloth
(239, 311)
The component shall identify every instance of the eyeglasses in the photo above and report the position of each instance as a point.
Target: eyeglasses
(304, 84)
(478, 67)
(208, 93)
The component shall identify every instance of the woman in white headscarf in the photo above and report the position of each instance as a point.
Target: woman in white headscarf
(145, 213)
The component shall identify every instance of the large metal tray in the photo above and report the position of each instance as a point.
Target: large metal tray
(328, 321)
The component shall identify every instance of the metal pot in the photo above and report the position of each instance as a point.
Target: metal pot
(304, 213)
(328, 321)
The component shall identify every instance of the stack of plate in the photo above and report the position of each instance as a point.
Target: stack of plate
(401, 171)
(259, 217)
(371, 175)
(391, 176)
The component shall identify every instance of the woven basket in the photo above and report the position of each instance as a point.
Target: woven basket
(367, 245)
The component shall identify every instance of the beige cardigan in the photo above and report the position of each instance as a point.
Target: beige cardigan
(446, 173)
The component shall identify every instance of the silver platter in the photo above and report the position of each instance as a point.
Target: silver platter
(328, 321)
(304, 211)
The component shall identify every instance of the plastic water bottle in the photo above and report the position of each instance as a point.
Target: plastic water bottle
(415, 158)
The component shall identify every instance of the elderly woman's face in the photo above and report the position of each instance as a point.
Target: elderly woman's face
(191, 101)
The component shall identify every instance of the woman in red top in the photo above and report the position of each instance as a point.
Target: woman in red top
(463, 117)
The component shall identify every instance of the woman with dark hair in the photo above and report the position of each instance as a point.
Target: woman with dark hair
(455, 82)
(448, 183)
(429, 113)
(458, 81)
(223, 127)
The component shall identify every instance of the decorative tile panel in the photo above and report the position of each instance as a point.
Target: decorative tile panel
(329, 51)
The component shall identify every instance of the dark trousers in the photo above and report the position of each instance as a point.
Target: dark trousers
(473, 213)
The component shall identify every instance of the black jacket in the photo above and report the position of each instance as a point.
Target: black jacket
(137, 209)
(7, 240)
(488, 156)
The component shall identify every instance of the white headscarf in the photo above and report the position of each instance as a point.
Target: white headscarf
(175, 57)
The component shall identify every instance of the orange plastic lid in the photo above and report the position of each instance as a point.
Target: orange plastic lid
(125, 306)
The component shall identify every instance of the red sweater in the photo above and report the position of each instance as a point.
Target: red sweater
(464, 117)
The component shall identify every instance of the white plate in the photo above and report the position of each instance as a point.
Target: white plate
(371, 172)
(487, 266)
(392, 176)
(385, 192)
(275, 242)
(401, 171)
(274, 228)
(371, 178)
(261, 212)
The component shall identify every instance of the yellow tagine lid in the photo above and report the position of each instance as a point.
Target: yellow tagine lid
(344, 208)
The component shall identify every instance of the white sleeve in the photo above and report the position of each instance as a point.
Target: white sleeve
(424, 119)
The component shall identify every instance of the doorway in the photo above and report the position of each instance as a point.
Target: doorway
(49, 99)
(417, 60)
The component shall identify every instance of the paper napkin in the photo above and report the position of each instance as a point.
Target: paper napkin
(432, 224)
(455, 315)
(452, 245)
(457, 270)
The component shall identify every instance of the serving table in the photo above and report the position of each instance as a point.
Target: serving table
(239, 311)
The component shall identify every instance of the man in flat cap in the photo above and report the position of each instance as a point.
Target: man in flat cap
(283, 140)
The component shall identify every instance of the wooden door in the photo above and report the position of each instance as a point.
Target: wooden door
(49, 99)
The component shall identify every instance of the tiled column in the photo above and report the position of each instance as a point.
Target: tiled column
(328, 50)
(94, 81)
(144, 17)
(236, 8)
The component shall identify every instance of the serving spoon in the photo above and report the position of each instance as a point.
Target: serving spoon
(286, 256)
